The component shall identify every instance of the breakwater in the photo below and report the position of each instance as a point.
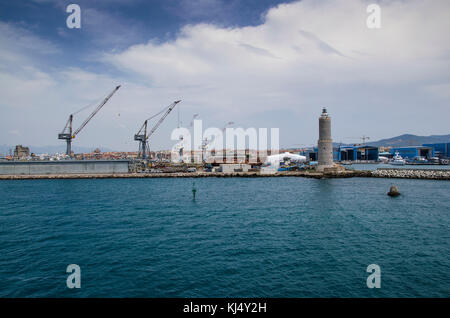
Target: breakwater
(380, 173)
(412, 174)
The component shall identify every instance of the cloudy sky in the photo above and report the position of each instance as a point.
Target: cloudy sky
(258, 63)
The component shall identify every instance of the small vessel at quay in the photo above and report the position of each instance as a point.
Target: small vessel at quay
(397, 160)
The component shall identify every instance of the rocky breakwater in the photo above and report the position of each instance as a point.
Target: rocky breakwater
(430, 174)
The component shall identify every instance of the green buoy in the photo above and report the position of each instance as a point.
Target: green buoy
(194, 190)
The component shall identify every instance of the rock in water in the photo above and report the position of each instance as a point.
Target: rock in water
(393, 191)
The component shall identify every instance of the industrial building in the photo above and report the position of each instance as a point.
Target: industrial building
(21, 152)
(312, 153)
(441, 150)
(234, 167)
(356, 153)
(413, 151)
(63, 167)
(346, 153)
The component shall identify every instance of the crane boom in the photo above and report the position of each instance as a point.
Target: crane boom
(162, 118)
(95, 111)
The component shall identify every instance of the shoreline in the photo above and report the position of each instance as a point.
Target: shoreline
(380, 173)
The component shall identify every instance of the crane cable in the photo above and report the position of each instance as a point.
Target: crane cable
(96, 102)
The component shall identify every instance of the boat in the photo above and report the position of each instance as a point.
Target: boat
(419, 160)
(397, 160)
(383, 159)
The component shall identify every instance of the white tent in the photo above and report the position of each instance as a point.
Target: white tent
(275, 160)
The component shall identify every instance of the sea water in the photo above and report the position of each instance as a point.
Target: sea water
(240, 237)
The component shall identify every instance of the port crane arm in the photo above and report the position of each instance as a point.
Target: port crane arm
(162, 118)
(168, 109)
(95, 111)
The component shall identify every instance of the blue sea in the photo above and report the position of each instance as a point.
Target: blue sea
(241, 237)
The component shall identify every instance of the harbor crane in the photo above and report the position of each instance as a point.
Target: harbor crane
(364, 138)
(67, 133)
(142, 135)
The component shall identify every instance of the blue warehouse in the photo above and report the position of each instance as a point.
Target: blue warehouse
(441, 150)
(355, 153)
(347, 153)
(413, 152)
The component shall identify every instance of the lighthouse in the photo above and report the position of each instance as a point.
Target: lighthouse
(325, 143)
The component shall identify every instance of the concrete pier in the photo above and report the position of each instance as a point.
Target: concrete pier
(63, 167)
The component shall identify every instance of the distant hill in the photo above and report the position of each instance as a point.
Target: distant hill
(4, 149)
(410, 140)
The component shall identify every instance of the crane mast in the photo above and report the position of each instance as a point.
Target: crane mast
(142, 135)
(67, 134)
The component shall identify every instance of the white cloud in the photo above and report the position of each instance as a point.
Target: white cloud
(19, 72)
(304, 55)
(37, 103)
(304, 42)
(16, 44)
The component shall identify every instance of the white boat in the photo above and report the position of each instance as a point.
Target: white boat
(383, 159)
(397, 160)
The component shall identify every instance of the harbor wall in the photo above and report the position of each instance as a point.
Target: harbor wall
(63, 167)
(388, 173)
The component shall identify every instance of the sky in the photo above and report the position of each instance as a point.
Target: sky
(257, 63)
